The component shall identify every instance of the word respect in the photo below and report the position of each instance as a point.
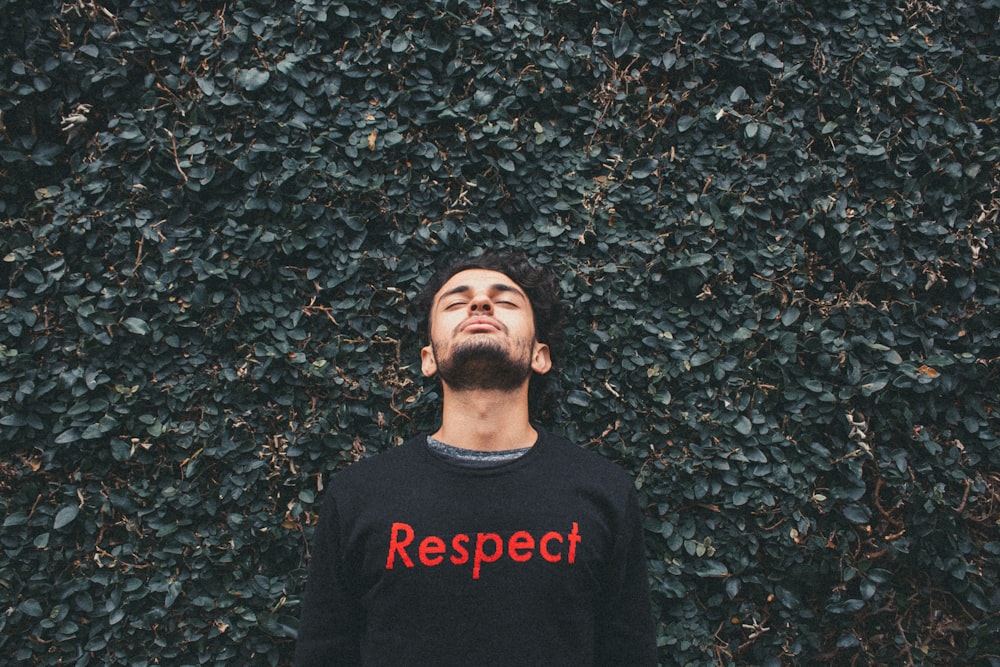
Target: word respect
(520, 547)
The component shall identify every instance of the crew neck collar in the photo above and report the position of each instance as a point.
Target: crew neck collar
(477, 460)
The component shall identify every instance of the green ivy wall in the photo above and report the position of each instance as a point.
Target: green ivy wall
(776, 224)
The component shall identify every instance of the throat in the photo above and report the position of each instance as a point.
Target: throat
(486, 421)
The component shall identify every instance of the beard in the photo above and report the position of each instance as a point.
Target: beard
(483, 365)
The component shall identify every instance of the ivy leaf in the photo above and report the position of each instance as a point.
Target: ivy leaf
(65, 516)
(207, 86)
(857, 514)
(67, 436)
(252, 79)
(846, 607)
(622, 41)
(32, 607)
(45, 154)
(400, 44)
(772, 61)
(643, 167)
(136, 325)
(13, 420)
(711, 568)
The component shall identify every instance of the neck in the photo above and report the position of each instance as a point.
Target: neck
(486, 420)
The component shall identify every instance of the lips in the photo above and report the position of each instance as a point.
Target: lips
(480, 325)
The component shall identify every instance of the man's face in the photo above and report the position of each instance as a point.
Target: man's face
(482, 334)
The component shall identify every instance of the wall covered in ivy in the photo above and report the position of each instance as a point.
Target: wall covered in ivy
(776, 225)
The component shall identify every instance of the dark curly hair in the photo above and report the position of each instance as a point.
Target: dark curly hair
(541, 286)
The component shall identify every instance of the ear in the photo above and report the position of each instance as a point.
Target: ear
(428, 364)
(541, 359)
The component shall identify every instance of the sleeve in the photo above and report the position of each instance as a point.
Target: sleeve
(331, 621)
(626, 632)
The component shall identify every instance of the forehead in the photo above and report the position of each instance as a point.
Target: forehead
(478, 280)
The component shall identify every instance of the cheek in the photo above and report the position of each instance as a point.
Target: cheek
(443, 324)
(526, 328)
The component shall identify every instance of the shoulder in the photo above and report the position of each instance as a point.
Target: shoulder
(370, 481)
(584, 476)
(573, 457)
(380, 469)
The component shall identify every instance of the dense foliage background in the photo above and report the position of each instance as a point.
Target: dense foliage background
(777, 226)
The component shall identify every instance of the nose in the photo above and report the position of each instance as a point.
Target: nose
(480, 304)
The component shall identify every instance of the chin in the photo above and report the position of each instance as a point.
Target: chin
(483, 367)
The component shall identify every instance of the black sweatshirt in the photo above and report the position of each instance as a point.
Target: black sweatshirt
(419, 561)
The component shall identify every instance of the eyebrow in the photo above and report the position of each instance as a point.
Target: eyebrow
(496, 287)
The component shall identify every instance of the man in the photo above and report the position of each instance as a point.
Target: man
(488, 542)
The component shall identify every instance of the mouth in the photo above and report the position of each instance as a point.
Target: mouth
(480, 325)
